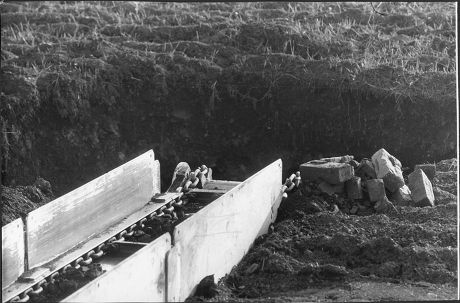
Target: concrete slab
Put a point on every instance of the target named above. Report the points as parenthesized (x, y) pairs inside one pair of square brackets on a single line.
[(353, 188), (330, 172), (12, 252), (402, 197), (388, 168), (421, 189), (376, 189), (428, 169), (63, 223), (218, 236), (141, 277), (341, 159)]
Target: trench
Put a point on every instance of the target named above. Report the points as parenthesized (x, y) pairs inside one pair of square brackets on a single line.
[(75, 277), (232, 135)]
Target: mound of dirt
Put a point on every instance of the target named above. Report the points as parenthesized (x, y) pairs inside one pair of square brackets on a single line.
[(311, 250)]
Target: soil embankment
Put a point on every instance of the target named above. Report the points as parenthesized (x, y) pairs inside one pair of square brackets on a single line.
[(88, 86)]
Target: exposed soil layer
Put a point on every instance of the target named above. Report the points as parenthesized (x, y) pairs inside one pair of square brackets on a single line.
[(88, 86), (313, 254)]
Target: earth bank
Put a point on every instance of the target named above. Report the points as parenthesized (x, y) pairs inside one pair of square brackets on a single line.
[(87, 87)]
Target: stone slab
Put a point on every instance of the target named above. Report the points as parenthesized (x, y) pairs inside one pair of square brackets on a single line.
[(60, 225), (353, 188), (421, 189), (428, 169), (12, 252), (376, 189), (341, 159), (402, 197), (217, 237), (330, 172), (139, 278), (388, 168)]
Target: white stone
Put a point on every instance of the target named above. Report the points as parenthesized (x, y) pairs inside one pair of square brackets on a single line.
[(388, 168)]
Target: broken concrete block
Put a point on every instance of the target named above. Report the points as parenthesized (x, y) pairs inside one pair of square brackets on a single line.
[(366, 170), (428, 169), (402, 196), (330, 172), (421, 188), (331, 189), (388, 168), (342, 159), (376, 189), (353, 187)]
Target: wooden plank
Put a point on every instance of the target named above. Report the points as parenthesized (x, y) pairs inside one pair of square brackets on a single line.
[(71, 219), (221, 184), (12, 252), (139, 278), (64, 259), (217, 237)]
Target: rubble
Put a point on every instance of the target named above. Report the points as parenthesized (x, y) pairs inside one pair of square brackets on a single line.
[(383, 241), (388, 168), (370, 186), (402, 196), (421, 189), (330, 172), (376, 189), (428, 169), (331, 189), (366, 170), (342, 159), (354, 190)]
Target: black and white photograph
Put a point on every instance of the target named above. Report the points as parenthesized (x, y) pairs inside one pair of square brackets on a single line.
[(229, 151)]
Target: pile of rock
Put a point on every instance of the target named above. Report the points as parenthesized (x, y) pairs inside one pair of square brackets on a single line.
[(375, 184)]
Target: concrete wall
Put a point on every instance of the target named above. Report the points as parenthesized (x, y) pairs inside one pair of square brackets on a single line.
[(139, 278), (12, 251)]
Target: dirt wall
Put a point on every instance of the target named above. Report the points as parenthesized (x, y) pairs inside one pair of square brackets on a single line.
[(209, 86)]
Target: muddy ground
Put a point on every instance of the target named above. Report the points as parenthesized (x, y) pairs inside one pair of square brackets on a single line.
[(316, 255)]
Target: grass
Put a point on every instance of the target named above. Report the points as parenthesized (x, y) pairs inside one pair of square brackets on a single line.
[(406, 33)]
